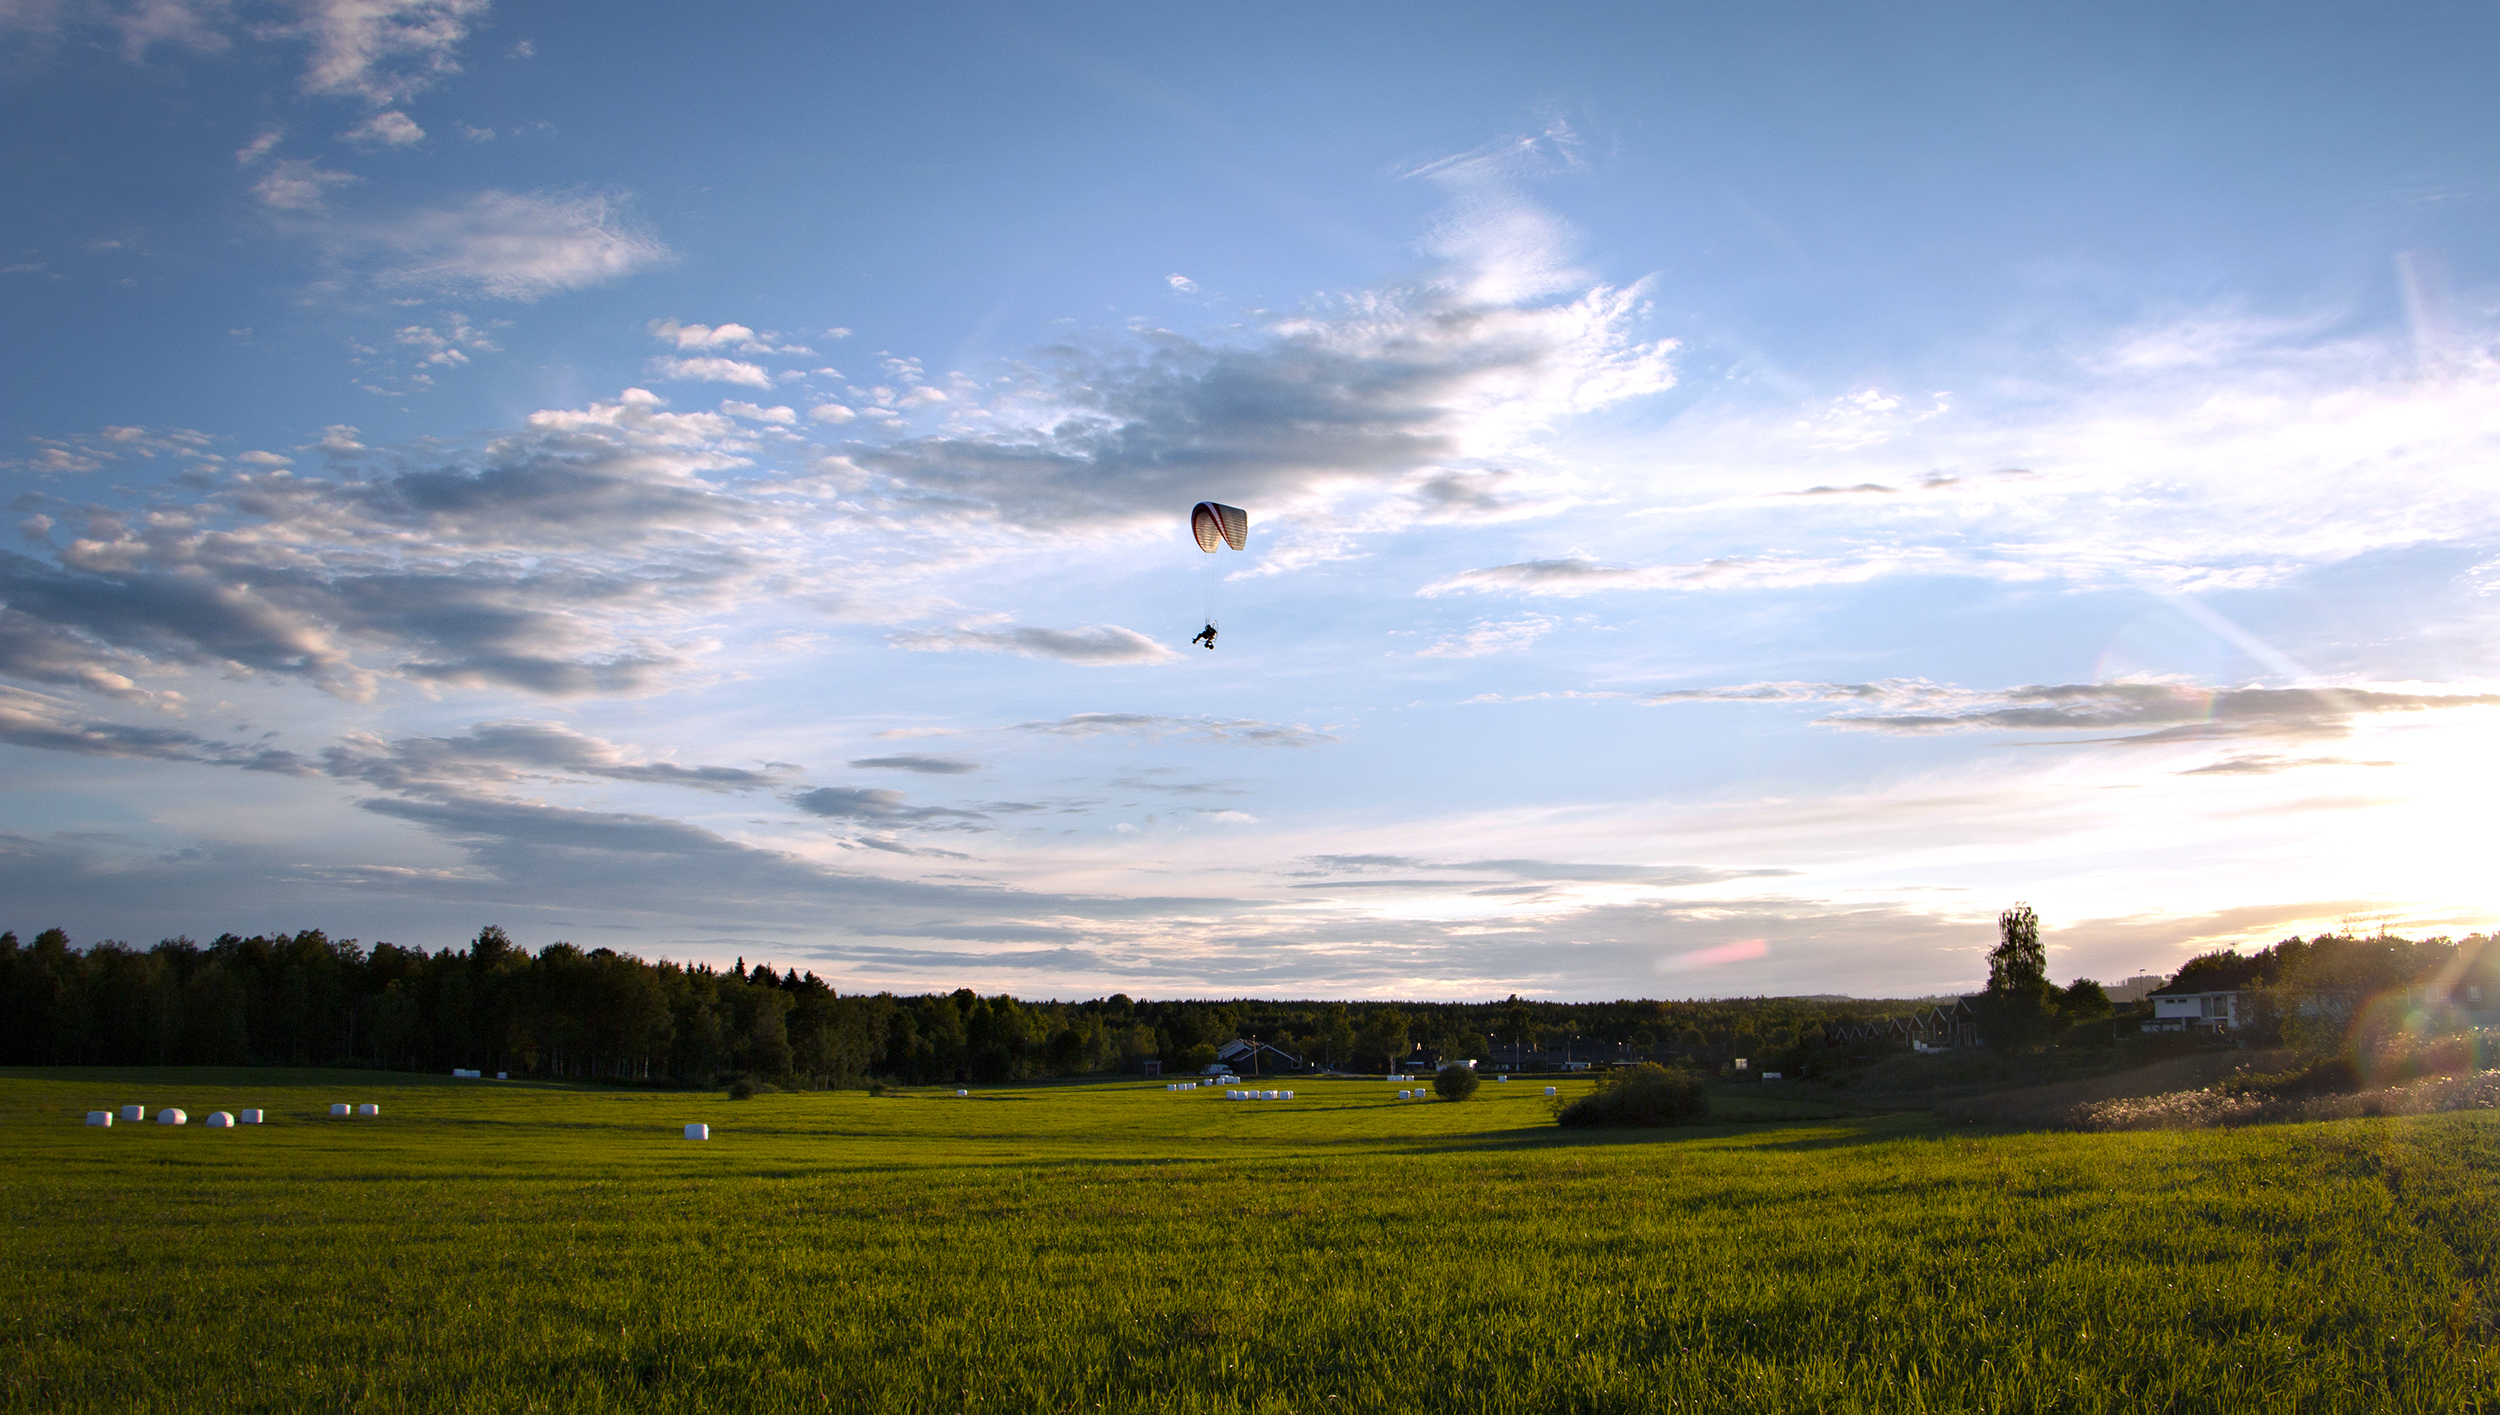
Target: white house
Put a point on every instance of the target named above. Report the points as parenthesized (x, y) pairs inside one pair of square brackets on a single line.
[(2185, 1009)]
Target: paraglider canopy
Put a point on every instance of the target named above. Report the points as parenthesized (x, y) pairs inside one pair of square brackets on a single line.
[(1211, 521)]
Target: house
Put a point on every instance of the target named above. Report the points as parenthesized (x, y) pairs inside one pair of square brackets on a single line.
[(2196, 1005)]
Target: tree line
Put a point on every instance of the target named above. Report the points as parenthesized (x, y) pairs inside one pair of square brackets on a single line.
[(306, 999)]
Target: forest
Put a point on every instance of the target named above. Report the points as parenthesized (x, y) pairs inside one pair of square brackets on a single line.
[(306, 999)]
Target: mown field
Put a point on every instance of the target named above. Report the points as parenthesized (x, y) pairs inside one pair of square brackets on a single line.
[(1114, 1246)]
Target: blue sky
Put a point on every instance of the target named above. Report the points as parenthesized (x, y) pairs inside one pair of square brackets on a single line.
[(1737, 497)]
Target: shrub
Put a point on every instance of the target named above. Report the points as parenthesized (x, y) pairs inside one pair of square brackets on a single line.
[(1646, 1094), (746, 1087), (1455, 1083), (2330, 1075), (878, 1088)]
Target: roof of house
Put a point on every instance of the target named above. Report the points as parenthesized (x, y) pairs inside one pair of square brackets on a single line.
[(2195, 987)]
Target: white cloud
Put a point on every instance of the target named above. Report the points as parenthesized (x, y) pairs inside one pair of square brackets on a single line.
[(445, 344), (831, 413), (1182, 283), (713, 370), (297, 184), (703, 336), (1571, 578), (258, 147), (2142, 711), (1155, 727), (1489, 637), (1092, 646), (383, 51), (515, 245), (752, 413), (196, 25), (389, 129)]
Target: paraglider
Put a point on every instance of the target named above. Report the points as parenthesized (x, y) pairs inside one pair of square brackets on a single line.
[(1212, 521), (1214, 524)]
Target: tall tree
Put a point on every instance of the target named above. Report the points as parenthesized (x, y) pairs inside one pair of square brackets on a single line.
[(2015, 1010)]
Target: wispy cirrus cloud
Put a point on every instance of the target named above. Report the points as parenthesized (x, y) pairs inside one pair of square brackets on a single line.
[(1486, 637), (1574, 577), (2142, 712), (925, 765), (501, 245), (1095, 646), (501, 753), (383, 51), (1244, 731), (48, 724)]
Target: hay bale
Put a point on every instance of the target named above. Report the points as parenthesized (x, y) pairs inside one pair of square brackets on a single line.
[(1402, 1095), (171, 1116), (1549, 1090), (503, 1075), (220, 1120), (698, 1132), (100, 1117), (1288, 1095), (341, 1109), (250, 1117), (134, 1112), (963, 1093), (368, 1110)]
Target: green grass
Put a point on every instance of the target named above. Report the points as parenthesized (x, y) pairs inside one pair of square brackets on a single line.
[(1119, 1247)]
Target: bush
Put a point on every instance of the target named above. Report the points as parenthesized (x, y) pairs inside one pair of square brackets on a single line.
[(746, 1087), (878, 1088), (1646, 1094), (2331, 1075), (1455, 1083)]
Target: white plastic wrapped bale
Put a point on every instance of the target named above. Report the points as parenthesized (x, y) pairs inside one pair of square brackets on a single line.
[(1274, 1095), (100, 1117), (368, 1110), (250, 1117), (461, 1073), (340, 1109), (503, 1075), (1402, 1095), (963, 1093), (1549, 1090), (134, 1112), (220, 1120), (1288, 1095), (171, 1116), (698, 1132)]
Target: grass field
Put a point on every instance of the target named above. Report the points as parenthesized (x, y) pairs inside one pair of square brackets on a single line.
[(1115, 1246)]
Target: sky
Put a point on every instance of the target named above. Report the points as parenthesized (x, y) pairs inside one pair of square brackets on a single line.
[(1738, 495)]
